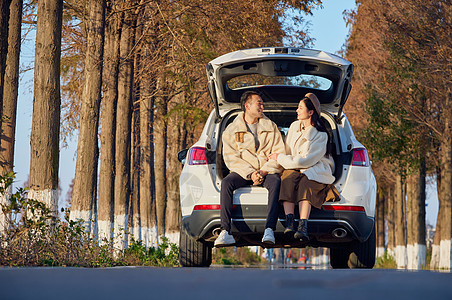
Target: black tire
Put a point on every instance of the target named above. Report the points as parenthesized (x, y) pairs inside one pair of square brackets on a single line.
[(356, 255), (193, 253), (363, 254), (339, 257)]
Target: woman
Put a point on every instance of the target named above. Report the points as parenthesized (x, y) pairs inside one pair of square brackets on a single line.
[(308, 165)]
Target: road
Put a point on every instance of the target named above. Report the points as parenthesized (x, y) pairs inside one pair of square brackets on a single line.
[(221, 283)]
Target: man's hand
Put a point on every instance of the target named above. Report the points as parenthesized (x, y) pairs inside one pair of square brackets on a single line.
[(258, 177)]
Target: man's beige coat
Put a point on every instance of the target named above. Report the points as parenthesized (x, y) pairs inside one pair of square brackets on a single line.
[(239, 148)]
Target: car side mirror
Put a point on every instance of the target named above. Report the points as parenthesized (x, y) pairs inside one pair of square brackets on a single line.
[(182, 155)]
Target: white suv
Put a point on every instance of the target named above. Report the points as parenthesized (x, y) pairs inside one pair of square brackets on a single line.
[(282, 76)]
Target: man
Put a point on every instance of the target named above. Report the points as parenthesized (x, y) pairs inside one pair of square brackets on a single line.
[(247, 142)]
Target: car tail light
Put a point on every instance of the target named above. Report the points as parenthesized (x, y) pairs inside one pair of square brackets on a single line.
[(197, 156), (360, 157), (343, 207), (210, 207)]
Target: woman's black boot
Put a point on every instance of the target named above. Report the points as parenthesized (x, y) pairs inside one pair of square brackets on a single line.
[(290, 229), (302, 231)]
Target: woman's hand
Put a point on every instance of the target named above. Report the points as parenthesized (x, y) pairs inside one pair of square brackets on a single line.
[(273, 156)]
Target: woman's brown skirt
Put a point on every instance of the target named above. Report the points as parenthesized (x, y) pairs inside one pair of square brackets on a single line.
[(296, 187)]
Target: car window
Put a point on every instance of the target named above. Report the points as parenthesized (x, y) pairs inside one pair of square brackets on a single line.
[(302, 80)]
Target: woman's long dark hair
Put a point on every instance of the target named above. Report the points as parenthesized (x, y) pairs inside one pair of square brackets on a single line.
[(317, 122)]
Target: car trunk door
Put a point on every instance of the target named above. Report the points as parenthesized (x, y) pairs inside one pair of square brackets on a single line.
[(269, 62)]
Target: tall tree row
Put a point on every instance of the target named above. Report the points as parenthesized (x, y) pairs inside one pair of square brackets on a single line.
[(120, 59), (401, 52)]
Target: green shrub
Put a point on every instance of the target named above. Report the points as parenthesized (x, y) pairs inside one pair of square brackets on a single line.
[(386, 261), (235, 256)]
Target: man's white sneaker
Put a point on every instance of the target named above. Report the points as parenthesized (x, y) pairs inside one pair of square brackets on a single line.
[(224, 239), (269, 237)]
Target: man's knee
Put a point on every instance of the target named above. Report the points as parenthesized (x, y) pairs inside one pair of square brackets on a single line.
[(273, 180), (230, 180)]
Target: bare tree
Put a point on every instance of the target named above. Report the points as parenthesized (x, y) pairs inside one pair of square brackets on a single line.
[(85, 182), (10, 91), (149, 232), (123, 128), (44, 140), (445, 192), (416, 244), (108, 130), (160, 142), (134, 207), (390, 222), (4, 23), (400, 223), (380, 222)]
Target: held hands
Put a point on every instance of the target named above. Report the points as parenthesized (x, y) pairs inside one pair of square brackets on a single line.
[(258, 177), (273, 156)]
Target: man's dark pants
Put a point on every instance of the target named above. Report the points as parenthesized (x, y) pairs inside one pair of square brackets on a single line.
[(234, 181)]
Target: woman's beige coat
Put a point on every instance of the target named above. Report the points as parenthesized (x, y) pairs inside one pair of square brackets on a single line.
[(305, 150), (239, 147)]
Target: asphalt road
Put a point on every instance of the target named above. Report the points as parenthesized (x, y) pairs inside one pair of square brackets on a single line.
[(221, 283)]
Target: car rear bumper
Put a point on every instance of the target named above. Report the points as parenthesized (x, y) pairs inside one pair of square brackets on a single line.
[(326, 228)]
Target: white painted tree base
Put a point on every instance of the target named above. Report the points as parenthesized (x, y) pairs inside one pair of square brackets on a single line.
[(149, 236), (434, 262), (4, 200), (173, 237), (391, 252), (85, 215), (416, 256), (319, 260), (119, 232), (380, 251), (445, 255), (48, 196), (400, 257), (104, 231)]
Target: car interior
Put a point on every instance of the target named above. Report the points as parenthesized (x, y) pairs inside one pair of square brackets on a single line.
[(283, 120)]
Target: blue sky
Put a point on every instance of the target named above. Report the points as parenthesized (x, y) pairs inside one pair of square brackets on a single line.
[(327, 27)]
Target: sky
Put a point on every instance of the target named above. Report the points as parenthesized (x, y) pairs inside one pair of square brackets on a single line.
[(327, 27)]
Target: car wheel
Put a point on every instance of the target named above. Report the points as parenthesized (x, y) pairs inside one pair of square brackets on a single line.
[(363, 254), (339, 257), (356, 255), (193, 253)]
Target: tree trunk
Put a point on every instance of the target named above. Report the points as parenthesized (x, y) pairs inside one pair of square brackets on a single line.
[(400, 223), (108, 130), (416, 247), (173, 213), (4, 20), (135, 213), (123, 127), (10, 91), (380, 222), (390, 221), (445, 196), (436, 250), (44, 140), (148, 219), (85, 181), (160, 138)]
